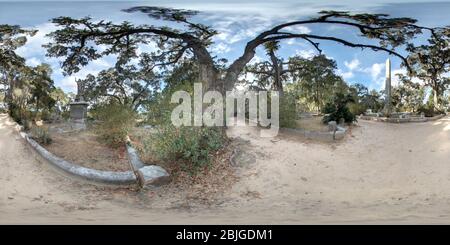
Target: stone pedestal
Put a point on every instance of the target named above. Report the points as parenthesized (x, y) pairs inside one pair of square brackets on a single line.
[(78, 110), (78, 114)]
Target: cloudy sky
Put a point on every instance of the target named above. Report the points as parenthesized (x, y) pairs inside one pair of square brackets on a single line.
[(237, 22)]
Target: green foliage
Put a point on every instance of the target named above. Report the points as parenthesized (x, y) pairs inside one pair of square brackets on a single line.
[(364, 99), (429, 108), (29, 94), (126, 84), (11, 38), (288, 112), (357, 108), (41, 135), (114, 122), (190, 147), (337, 109), (316, 79), (431, 62), (407, 98), (159, 108)]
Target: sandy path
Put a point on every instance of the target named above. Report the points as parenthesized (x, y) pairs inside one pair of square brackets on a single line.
[(382, 173)]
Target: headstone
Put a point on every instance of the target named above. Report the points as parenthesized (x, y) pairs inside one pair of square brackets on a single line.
[(78, 108), (332, 126)]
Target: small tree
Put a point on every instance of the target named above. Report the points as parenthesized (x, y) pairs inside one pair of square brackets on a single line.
[(11, 64), (115, 122), (431, 62), (316, 79), (337, 109), (407, 96), (270, 74)]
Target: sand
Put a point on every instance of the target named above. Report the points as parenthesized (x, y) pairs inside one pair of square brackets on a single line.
[(85, 149), (381, 173)]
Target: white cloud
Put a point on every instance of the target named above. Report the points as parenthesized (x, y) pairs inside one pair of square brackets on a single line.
[(221, 48), (255, 59), (236, 28), (298, 29), (305, 53), (33, 47), (68, 83), (375, 70), (33, 61), (395, 81), (352, 65), (345, 75)]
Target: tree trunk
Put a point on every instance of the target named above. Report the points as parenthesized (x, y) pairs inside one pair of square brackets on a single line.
[(435, 95), (208, 74), (233, 71), (436, 99), (277, 68)]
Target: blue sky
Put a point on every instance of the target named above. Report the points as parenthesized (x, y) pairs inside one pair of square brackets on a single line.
[(237, 22)]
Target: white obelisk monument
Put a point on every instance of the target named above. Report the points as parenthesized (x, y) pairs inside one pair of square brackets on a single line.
[(387, 89)]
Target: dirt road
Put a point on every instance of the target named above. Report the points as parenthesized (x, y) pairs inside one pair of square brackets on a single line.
[(381, 173)]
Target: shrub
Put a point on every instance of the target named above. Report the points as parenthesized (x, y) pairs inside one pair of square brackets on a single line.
[(159, 108), (114, 123), (288, 112), (41, 135), (357, 108), (22, 117), (190, 147), (429, 110), (44, 115), (337, 109)]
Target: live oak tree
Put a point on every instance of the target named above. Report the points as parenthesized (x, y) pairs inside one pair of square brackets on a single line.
[(184, 72), (366, 99), (406, 96), (431, 63), (42, 86), (25, 87), (31, 92), (126, 84), (315, 79), (11, 38), (77, 40), (270, 74)]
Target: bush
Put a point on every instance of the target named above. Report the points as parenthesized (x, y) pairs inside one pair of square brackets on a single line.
[(44, 115), (357, 108), (159, 108), (288, 111), (41, 135), (429, 110), (114, 123), (190, 147), (337, 109)]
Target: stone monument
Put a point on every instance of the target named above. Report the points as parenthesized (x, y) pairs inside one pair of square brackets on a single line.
[(78, 108), (387, 110)]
